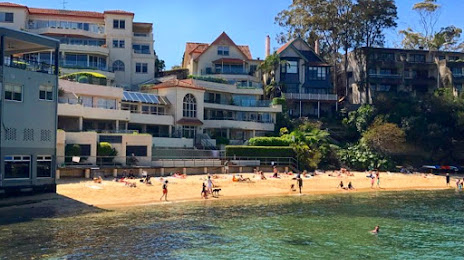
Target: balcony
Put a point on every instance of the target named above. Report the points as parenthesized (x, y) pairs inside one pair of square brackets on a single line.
[(311, 97), (72, 108), (29, 65), (227, 88), (389, 76), (242, 103), (82, 48), (152, 119), (238, 123)]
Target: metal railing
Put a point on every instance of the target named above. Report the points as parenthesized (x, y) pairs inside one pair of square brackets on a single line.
[(29, 65), (242, 103), (302, 96), (226, 118)]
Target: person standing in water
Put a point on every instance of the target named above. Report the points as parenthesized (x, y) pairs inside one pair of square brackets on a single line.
[(447, 179), (165, 191), (299, 181), (376, 230)]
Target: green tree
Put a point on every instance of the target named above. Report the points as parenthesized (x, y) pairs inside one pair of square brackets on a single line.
[(159, 66), (385, 138), (428, 11)]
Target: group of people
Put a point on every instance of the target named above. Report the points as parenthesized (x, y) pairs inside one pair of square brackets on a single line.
[(207, 187), (459, 182), (342, 186), (374, 175)]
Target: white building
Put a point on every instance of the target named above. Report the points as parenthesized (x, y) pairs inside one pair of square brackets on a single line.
[(109, 43)]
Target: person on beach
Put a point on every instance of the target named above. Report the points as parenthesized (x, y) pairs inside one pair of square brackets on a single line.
[(165, 191), (210, 185), (447, 179), (350, 186), (376, 230), (377, 175), (204, 192), (276, 173), (261, 173), (372, 181), (299, 181), (341, 185), (457, 183)]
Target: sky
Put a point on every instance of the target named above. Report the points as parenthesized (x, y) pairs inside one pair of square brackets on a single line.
[(247, 22)]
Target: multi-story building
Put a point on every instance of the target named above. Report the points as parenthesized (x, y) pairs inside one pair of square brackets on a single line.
[(109, 43), (306, 80), (394, 71), (224, 98), (28, 105)]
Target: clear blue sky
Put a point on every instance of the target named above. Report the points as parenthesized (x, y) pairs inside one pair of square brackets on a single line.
[(247, 22)]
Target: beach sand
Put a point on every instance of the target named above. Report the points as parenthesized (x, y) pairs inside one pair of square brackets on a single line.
[(110, 194)]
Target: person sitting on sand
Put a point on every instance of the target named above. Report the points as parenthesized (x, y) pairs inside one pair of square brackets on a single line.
[(276, 173), (350, 186), (147, 180), (376, 230), (341, 185), (261, 173), (98, 180), (241, 179)]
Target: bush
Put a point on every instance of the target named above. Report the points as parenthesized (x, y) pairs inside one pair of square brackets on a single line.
[(105, 150), (222, 140), (259, 151), (70, 151), (210, 79), (360, 157), (269, 141)]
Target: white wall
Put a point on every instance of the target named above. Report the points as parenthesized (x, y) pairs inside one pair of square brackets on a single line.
[(172, 142)]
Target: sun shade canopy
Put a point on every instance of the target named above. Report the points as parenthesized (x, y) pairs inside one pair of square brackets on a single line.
[(144, 98)]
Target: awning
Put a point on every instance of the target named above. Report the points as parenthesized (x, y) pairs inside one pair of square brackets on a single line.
[(441, 167), (84, 73), (144, 98), (189, 121)]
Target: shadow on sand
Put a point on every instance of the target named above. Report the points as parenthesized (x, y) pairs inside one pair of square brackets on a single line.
[(49, 205)]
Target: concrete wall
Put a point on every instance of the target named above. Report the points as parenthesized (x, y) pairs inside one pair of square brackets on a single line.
[(172, 142), (19, 18)]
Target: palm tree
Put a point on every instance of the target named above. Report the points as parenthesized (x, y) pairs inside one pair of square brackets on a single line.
[(268, 69)]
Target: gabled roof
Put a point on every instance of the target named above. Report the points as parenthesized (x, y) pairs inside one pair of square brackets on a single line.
[(56, 12), (175, 83), (8, 4), (200, 48), (283, 47), (309, 56)]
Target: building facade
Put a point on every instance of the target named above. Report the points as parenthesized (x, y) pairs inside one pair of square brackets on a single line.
[(225, 89), (397, 71), (306, 81), (109, 43), (28, 108)]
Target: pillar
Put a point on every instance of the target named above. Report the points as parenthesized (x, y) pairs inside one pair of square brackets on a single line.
[(336, 106), (87, 173), (205, 170), (318, 109), (184, 170), (286, 168), (240, 169), (57, 174), (254, 133), (170, 131), (228, 133), (140, 172), (144, 128), (117, 125), (115, 173), (81, 123), (162, 171)]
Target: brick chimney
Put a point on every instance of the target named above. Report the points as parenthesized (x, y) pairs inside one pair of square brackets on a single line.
[(268, 46)]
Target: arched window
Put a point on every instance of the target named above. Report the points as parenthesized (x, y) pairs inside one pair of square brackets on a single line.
[(190, 106), (118, 65)]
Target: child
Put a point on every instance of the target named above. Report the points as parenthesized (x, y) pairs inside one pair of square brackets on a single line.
[(165, 191), (204, 193)]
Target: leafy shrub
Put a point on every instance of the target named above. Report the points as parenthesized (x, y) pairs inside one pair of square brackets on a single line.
[(105, 150), (222, 140), (71, 150), (210, 79), (259, 151), (385, 138), (269, 141), (360, 157)]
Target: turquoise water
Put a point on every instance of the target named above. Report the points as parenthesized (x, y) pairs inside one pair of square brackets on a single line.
[(414, 225)]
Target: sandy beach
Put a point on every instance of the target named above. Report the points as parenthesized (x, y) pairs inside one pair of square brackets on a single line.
[(110, 194)]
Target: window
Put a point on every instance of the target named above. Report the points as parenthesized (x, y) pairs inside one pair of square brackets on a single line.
[(118, 66), (45, 92), (141, 67), (6, 17), (386, 56), (106, 103), (457, 72), (372, 71), (130, 107), (188, 131), (141, 48), (383, 88), (190, 106), (290, 67), (318, 73), (13, 92), (223, 50), (453, 58), (119, 24), (119, 44), (136, 150), (44, 166), (17, 166), (417, 58)]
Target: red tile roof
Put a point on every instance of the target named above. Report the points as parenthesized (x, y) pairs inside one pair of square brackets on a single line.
[(8, 4), (283, 47), (57, 12), (175, 83), (118, 12), (200, 48)]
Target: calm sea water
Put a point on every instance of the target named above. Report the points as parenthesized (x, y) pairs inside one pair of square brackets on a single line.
[(414, 225)]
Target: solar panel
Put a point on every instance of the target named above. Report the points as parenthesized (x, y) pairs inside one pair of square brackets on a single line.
[(144, 98)]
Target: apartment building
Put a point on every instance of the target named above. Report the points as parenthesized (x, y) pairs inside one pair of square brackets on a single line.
[(224, 98), (397, 71), (28, 108), (306, 80), (109, 43)]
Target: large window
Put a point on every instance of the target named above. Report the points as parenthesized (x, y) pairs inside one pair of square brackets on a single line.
[(119, 24), (91, 27), (386, 56), (289, 67), (153, 110), (141, 48), (44, 166), (6, 17), (223, 50), (13, 92), (136, 150), (188, 131), (417, 58), (118, 66), (190, 106), (106, 103), (119, 44), (318, 73), (17, 166), (45, 92), (141, 67)]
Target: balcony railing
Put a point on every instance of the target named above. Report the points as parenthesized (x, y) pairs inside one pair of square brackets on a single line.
[(394, 76), (458, 75), (30, 65), (264, 121), (316, 97), (242, 103), (75, 101)]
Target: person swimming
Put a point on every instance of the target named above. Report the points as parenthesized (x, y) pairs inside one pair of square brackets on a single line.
[(376, 230)]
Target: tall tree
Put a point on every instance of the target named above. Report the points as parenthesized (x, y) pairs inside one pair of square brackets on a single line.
[(268, 69), (429, 14), (373, 17)]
